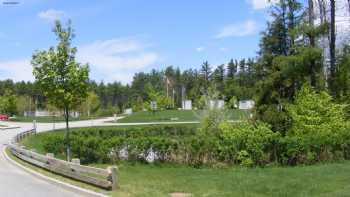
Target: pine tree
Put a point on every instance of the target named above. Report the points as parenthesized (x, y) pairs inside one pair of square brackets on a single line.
[(205, 75), (218, 79)]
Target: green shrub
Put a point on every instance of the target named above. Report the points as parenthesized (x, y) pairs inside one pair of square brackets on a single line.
[(245, 159), (53, 143), (256, 139), (312, 138)]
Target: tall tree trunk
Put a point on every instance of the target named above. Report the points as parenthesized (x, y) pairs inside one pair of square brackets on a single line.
[(312, 43), (321, 10), (323, 20), (66, 115), (332, 49)]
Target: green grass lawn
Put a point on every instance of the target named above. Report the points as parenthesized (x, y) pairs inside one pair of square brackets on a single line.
[(178, 116), (139, 179), (328, 180), (45, 119), (152, 180)]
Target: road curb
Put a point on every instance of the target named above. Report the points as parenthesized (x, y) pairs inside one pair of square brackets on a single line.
[(9, 127), (67, 186)]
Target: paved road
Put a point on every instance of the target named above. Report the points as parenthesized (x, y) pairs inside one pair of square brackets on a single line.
[(14, 182)]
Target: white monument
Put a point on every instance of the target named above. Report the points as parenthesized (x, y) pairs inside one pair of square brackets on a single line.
[(216, 104), (187, 105), (128, 111), (246, 104), (154, 105)]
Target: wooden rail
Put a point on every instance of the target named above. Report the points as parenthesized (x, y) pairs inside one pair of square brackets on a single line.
[(103, 178)]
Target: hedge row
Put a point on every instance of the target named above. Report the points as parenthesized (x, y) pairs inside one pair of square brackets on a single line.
[(241, 143)]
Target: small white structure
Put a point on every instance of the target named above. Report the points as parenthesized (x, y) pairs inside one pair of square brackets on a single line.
[(128, 111), (216, 104), (74, 114), (38, 113), (246, 104), (154, 105), (187, 105)]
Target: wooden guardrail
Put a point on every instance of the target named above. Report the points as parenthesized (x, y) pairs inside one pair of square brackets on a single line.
[(104, 178)]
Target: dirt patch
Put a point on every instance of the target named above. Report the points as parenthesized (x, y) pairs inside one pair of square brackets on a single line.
[(180, 194)]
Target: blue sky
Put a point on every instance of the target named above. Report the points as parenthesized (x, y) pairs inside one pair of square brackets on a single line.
[(120, 37)]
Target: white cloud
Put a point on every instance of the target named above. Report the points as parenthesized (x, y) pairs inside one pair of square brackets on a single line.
[(109, 60), (246, 28), (261, 4), (116, 59), (200, 49), (223, 49), (16, 70), (51, 14)]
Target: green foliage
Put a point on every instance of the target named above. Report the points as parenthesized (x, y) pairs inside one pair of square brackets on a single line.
[(211, 121), (245, 142), (54, 144), (202, 102), (245, 159), (343, 79), (24, 103), (63, 81), (8, 103), (91, 105), (289, 57), (314, 113), (163, 102), (319, 131), (232, 103)]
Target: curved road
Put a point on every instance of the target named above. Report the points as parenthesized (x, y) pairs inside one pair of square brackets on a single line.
[(14, 182)]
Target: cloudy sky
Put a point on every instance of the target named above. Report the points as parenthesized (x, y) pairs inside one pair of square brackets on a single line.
[(120, 37)]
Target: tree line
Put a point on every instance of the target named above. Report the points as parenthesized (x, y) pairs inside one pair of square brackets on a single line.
[(235, 79), (298, 46)]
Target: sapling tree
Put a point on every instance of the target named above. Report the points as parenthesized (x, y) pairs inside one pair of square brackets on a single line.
[(63, 81)]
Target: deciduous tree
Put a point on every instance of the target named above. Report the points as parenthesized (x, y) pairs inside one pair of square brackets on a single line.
[(63, 81)]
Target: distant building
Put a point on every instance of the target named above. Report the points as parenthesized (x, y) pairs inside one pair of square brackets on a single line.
[(187, 105), (128, 111), (246, 104), (38, 113), (216, 104)]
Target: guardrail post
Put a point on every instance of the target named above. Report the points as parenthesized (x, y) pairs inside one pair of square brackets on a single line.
[(34, 126), (105, 178), (50, 155), (113, 170)]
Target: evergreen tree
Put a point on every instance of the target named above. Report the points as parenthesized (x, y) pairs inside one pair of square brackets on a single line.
[(218, 79), (205, 75)]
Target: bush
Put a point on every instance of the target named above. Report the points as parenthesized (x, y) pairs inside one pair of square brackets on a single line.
[(53, 143), (318, 133), (256, 139), (315, 113)]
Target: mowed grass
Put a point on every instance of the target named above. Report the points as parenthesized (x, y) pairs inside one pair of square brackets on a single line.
[(178, 116), (328, 180), (45, 119), (137, 179), (161, 180)]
